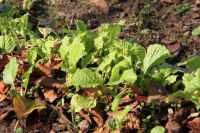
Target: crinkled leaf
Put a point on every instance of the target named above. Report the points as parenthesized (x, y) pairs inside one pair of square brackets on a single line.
[(10, 71), (23, 106), (191, 82), (80, 102), (64, 49), (139, 51), (88, 58), (196, 31), (7, 44), (156, 54), (86, 78), (31, 55), (47, 47), (158, 129), (192, 63), (81, 25)]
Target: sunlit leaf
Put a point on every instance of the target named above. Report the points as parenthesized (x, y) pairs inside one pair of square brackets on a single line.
[(23, 106)]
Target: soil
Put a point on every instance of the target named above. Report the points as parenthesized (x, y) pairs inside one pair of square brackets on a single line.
[(147, 21)]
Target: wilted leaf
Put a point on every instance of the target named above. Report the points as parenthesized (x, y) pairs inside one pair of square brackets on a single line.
[(23, 106), (45, 31)]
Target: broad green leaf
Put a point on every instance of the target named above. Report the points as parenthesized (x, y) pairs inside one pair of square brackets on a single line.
[(156, 54), (7, 44), (26, 78), (76, 51), (23, 106), (192, 63), (85, 61), (121, 117), (23, 25), (64, 49), (115, 103), (121, 66), (191, 82), (80, 102), (4, 8), (107, 61), (127, 77), (139, 51), (111, 124), (10, 71), (162, 74), (86, 78), (158, 129), (47, 47), (196, 31), (31, 55), (81, 25), (19, 130)]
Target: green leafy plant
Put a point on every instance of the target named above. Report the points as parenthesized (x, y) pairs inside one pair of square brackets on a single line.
[(119, 117), (196, 31)]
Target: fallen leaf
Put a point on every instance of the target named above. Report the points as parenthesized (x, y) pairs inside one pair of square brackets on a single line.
[(4, 61), (84, 126), (157, 92), (172, 1), (4, 115), (197, 2), (23, 106), (41, 70), (3, 87), (33, 121), (172, 126), (98, 130), (101, 4), (63, 119), (173, 46), (86, 116), (46, 81), (23, 55), (49, 95), (132, 122), (194, 125), (2, 97)]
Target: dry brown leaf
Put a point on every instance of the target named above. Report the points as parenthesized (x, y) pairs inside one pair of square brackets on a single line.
[(97, 115), (3, 87), (49, 95), (132, 122), (4, 61), (63, 118), (172, 1), (23, 68), (2, 97), (98, 130), (4, 115), (194, 124), (101, 4), (86, 116), (137, 91), (197, 2), (23, 55), (84, 126), (41, 70), (172, 126), (156, 92), (46, 81)]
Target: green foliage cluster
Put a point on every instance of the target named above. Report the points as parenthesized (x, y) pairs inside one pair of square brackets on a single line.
[(96, 59)]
